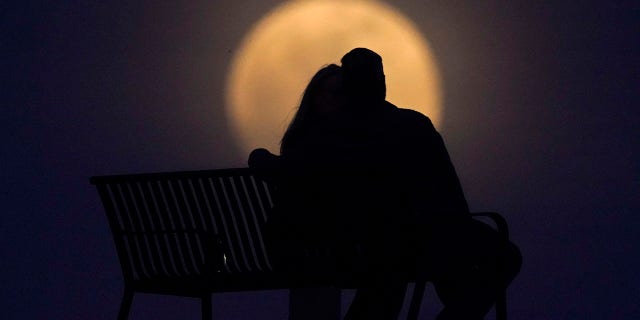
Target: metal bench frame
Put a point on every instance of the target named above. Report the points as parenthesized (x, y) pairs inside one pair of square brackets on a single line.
[(195, 233)]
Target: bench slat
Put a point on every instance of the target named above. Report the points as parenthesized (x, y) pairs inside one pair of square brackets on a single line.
[(154, 226), (115, 225), (171, 217), (132, 233), (229, 226), (160, 216), (186, 222), (226, 194), (124, 210), (246, 219), (215, 204), (258, 221), (140, 249)]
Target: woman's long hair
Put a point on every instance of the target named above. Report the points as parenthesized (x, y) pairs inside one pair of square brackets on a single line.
[(306, 113)]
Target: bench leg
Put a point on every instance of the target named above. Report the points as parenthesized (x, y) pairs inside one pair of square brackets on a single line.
[(416, 300), (125, 304), (207, 313)]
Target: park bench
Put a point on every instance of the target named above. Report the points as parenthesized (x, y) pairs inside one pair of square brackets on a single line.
[(195, 233)]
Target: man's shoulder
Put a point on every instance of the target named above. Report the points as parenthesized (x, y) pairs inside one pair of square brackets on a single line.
[(411, 117)]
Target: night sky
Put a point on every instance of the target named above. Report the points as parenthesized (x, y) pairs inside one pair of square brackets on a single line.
[(541, 118)]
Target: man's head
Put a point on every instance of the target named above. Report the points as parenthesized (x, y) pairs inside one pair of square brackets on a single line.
[(363, 75)]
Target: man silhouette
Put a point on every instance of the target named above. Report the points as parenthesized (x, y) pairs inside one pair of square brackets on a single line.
[(411, 213)]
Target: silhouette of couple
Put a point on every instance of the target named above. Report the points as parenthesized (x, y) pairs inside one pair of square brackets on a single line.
[(366, 188)]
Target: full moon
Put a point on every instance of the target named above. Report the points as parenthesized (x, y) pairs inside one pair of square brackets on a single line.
[(287, 46)]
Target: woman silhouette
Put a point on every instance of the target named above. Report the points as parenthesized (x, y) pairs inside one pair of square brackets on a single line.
[(303, 217)]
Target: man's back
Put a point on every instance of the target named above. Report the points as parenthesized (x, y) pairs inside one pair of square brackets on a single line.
[(418, 216), (393, 170), (431, 177), (401, 149)]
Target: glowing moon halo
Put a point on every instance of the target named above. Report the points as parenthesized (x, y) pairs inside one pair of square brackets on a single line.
[(286, 47)]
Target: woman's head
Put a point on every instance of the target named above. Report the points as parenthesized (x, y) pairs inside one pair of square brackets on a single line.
[(322, 98), (324, 92)]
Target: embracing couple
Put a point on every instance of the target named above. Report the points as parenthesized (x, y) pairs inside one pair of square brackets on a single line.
[(372, 186)]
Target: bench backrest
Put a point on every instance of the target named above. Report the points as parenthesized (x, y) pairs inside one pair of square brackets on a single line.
[(187, 223)]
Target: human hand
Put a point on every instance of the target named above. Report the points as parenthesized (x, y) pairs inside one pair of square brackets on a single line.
[(258, 157)]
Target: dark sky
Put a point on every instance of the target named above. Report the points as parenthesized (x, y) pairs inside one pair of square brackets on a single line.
[(541, 119)]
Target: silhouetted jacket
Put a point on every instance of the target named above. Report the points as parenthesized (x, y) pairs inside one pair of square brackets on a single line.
[(365, 179)]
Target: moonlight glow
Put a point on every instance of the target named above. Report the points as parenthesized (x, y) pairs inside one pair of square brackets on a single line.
[(287, 46)]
